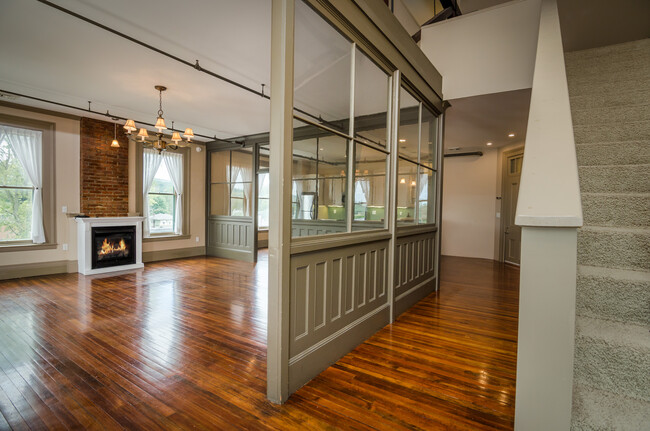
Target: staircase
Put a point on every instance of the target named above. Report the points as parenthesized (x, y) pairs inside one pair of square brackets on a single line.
[(610, 102)]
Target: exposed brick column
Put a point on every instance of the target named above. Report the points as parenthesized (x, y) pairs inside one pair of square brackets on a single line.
[(104, 170)]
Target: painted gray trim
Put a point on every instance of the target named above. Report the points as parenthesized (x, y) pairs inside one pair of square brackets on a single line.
[(504, 172), (36, 269), (11, 247), (157, 238), (305, 366), (408, 299), (403, 231), (175, 253), (311, 244), (244, 255), (415, 262)]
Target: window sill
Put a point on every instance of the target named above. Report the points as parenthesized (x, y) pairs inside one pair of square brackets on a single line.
[(165, 238), (27, 247)]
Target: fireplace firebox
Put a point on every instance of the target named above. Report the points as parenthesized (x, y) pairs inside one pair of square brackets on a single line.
[(113, 246)]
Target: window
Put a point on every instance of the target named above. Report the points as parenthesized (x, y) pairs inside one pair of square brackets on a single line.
[(418, 129), (26, 181), (263, 201), (162, 202), (16, 196), (164, 176), (231, 184)]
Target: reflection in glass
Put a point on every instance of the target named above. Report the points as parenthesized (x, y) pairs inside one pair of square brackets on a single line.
[(426, 196), (322, 60), (220, 199), (371, 91), (231, 188), (319, 182), (369, 188), (406, 191), (408, 134), (428, 137)]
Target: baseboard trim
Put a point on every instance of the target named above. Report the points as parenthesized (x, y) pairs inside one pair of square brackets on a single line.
[(37, 269), (409, 298), (229, 253), (306, 365), (174, 253)]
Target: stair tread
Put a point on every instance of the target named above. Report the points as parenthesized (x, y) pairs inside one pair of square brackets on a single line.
[(596, 409), (614, 333), (620, 274)]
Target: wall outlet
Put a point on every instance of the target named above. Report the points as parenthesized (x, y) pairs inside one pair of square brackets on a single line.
[(65, 247), (197, 239), (64, 209), (498, 215)]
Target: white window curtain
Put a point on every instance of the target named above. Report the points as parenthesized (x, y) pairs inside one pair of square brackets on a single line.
[(174, 163), (28, 146), (243, 174), (365, 190), (150, 163)]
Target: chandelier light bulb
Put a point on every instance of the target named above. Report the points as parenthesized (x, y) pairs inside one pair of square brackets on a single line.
[(142, 134), (176, 137), (129, 126), (189, 134)]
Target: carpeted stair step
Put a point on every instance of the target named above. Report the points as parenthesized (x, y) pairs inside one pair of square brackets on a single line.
[(608, 132), (614, 247), (613, 294), (613, 357), (610, 98), (595, 410), (611, 114), (614, 153), (616, 209), (615, 179)]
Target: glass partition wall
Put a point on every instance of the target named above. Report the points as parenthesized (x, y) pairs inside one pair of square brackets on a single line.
[(354, 146)]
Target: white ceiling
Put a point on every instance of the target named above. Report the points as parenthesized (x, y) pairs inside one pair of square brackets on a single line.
[(472, 122)]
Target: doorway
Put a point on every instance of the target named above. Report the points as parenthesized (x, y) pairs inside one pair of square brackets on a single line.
[(510, 232)]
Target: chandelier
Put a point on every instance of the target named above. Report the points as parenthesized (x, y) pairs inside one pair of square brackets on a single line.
[(160, 141)]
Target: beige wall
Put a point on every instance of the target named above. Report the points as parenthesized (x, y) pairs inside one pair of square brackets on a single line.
[(67, 190), (470, 210), (66, 141)]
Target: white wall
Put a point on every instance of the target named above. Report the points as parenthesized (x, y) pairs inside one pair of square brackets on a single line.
[(469, 205), (488, 51), (471, 224)]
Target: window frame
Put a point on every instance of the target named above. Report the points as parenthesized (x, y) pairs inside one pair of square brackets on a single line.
[(139, 195), (48, 147)]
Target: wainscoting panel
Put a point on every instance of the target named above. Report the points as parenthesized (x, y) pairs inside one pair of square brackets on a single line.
[(414, 269), (339, 298), (231, 237)]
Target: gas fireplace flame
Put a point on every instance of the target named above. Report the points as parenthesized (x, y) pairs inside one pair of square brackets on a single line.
[(108, 248)]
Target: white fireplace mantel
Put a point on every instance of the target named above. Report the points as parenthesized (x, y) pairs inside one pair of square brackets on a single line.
[(85, 246)]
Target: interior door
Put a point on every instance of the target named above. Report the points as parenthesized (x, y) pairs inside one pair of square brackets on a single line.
[(511, 232)]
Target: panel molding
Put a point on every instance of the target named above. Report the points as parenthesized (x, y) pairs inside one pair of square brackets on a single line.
[(415, 269), (37, 269), (174, 253), (231, 237)]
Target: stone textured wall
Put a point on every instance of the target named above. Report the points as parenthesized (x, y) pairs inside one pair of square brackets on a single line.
[(104, 170)]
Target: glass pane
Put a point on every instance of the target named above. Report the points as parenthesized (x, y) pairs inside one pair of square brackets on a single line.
[(408, 125), (264, 160), (161, 213), (220, 167), (428, 136), (263, 213), (241, 166), (371, 90), (12, 172), (162, 183), (15, 213), (304, 158), (303, 199), (241, 197), (406, 191), (219, 199), (426, 196), (369, 188), (321, 66)]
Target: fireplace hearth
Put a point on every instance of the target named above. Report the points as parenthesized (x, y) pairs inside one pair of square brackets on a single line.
[(113, 246)]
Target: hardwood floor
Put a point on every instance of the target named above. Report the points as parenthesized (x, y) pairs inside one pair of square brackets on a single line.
[(182, 345)]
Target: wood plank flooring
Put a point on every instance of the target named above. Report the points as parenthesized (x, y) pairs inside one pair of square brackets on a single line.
[(182, 345)]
